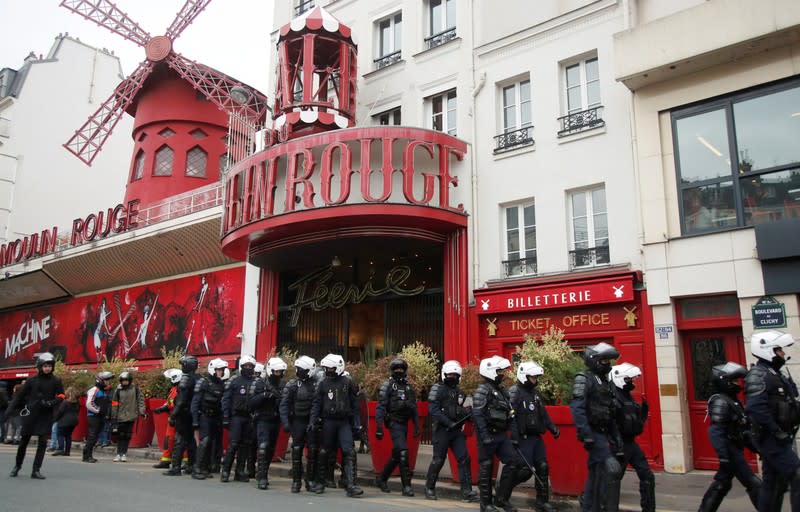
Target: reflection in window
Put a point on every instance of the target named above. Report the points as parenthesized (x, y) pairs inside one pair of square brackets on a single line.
[(767, 130), (163, 162), (444, 112), (520, 240), (138, 166), (703, 147), (705, 354), (589, 228), (709, 207), (390, 117)]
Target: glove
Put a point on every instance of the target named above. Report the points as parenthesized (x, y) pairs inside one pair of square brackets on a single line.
[(556, 432), (379, 434), (782, 437), (451, 426), (160, 410), (588, 442), (114, 428), (286, 428), (417, 432), (171, 421)]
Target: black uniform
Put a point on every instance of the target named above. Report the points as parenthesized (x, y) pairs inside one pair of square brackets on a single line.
[(207, 420), (397, 404), (295, 409), (446, 407), (236, 417), (532, 422), (630, 422), (35, 403), (772, 405), (264, 398), (593, 409), (181, 418)]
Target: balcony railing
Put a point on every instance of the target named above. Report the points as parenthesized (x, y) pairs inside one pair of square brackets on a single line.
[(513, 139), (387, 60), (589, 257), (580, 121), (303, 6), (440, 38), (521, 267)]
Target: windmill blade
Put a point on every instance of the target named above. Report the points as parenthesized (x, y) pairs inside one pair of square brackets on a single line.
[(186, 16), (109, 16), (216, 87), (89, 138)]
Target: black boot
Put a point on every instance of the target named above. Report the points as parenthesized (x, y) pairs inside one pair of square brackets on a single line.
[(322, 464), (199, 458), (542, 484), (161, 465), (503, 493), (465, 474), (330, 468), (252, 456), (311, 469), (263, 468), (349, 465), (175, 464), (14, 471), (753, 490), (714, 495), (242, 456), (485, 486), (383, 478), (297, 468), (647, 493), (36, 475), (405, 474), (431, 477), (227, 462)]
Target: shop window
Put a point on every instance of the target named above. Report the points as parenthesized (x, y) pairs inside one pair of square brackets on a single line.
[(520, 231), (196, 163), (737, 159), (443, 112), (588, 228), (582, 105), (390, 34), (138, 166), (164, 160), (517, 128), (707, 307), (390, 117), (442, 28)]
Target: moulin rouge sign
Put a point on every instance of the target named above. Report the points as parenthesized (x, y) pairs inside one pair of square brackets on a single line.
[(92, 227), (320, 171)]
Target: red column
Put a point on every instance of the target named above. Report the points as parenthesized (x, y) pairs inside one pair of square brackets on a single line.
[(267, 327), (456, 279)]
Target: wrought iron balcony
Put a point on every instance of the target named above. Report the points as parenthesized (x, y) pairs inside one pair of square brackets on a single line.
[(589, 257), (521, 267), (303, 6), (387, 60), (440, 38), (580, 121), (513, 139)]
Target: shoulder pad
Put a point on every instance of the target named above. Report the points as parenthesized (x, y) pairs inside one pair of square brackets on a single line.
[(754, 382), (186, 382), (198, 385), (384, 391), (580, 385), (433, 395), (479, 399), (514, 393)]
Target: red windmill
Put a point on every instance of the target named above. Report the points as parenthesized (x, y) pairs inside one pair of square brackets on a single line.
[(180, 108)]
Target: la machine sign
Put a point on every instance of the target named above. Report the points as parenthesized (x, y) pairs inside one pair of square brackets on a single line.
[(583, 294)]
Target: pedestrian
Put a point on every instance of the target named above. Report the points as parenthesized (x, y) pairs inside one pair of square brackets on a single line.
[(181, 416), (52, 444), (772, 406), (593, 409), (264, 402), (174, 376), (532, 422), (729, 433), (335, 410), (36, 401), (98, 412), (493, 416), (67, 419), (397, 404), (13, 418), (3, 407), (295, 411), (631, 417), (207, 416), (446, 406), (127, 405), (236, 418)]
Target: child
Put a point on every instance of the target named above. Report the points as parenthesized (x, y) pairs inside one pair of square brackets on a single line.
[(66, 418)]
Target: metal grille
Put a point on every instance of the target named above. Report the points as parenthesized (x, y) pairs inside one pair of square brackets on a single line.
[(196, 163), (440, 38), (317, 334), (521, 267), (513, 138), (163, 162), (579, 121), (589, 257), (387, 60), (419, 318), (198, 134)]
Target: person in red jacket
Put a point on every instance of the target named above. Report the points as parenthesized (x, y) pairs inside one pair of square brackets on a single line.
[(174, 376)]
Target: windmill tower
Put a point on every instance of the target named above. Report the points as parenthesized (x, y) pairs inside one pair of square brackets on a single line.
[(180, 109)]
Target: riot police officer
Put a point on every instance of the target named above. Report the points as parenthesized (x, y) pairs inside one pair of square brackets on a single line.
[(772, 405), (207, 416), (264, 401), (236, 417), (532, 422), (38, 396), (295, 409), (397, 404), (336, 406), (446, 405), (181, 416), (494, 418), (729, 433), (630, 423), (593, 409)]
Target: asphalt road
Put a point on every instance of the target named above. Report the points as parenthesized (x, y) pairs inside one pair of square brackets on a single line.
[(73, 486)]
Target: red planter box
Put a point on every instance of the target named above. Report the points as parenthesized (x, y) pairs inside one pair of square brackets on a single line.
[(280, 448), (82, 428), (381, 451), (565, 455), (472, 449), (142, 434), (159, 420)]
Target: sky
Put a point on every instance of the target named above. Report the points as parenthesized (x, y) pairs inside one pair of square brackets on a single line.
[(232, 36)]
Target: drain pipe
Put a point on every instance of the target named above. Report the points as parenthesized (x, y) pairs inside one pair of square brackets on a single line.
[(476, 89)]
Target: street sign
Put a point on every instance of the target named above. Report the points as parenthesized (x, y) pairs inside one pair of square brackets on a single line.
[(663, 331), (768, 313)]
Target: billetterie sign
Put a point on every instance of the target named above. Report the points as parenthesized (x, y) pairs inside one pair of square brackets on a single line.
[(94, 226)]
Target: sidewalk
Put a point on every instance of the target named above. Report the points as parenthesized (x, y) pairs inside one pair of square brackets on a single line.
[(674, 493)]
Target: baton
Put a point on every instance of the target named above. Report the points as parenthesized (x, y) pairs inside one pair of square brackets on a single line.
[(535, 476), (460, 422)]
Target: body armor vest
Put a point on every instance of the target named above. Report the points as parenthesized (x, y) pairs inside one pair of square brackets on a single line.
[(303, 395), (600, 406), (729, 414), (782, 405), (401, 400), (528, 409), (335, 398), (239, 387), (450, 400), (629, 416), (211, 405), (498, 407), (269, 407)]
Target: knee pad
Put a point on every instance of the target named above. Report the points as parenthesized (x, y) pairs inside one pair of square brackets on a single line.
[(648, 477), (486, 465), (522, 473), (542, 468), (724, 485), (403, 455), (613, 468), (437, 462)]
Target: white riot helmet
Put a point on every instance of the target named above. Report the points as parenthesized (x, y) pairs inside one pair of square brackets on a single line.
[(247, 365), (303, 366), (217, 364), (275, 364), (763, 345), (333, 361), (620, 372), (260, 370), (451, 366), (226, 375), (173, 374), (491, 365), (528, 369)]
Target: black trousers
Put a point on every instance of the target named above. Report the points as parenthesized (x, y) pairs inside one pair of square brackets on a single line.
[(41, 446)]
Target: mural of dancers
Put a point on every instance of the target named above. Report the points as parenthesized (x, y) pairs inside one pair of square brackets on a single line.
[(102, 331), (198, 317), (147, 316)]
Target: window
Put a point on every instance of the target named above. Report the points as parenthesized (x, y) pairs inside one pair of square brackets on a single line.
[(390, 33), (582, 97), (198, 134), (516, 117), (442, 15), (520, 232), (196, 162), (443, 115), (737, 159), (302, 6), (589, 228), (390, 117), (164, 157), (138, 166), (167, 133), (224, 163)]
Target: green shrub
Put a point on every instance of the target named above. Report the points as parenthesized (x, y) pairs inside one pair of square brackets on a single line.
[(553, 353), (423, 367)]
